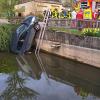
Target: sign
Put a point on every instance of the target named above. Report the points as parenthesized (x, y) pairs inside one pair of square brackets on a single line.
[(87, 14)]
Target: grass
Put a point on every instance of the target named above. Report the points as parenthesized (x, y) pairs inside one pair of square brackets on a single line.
[(61, 29)]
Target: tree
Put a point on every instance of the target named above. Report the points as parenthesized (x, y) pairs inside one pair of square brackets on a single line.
[(7, 7)]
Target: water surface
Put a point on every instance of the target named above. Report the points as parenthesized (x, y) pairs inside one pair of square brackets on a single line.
[(47, 77)]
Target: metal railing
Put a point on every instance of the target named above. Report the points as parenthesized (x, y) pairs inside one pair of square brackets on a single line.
[(69, 23)]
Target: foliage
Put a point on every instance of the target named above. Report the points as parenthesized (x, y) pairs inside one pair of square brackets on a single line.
[(91, 32), (5, 36), (7, 7), (82, 91)]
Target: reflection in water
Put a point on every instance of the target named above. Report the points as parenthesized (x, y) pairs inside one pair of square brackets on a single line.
[(16, 89), (82, 77), (15, 81), (57, 78), (42, 66)]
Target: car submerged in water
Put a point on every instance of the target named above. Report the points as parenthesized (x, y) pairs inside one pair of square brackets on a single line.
[(24, 35)]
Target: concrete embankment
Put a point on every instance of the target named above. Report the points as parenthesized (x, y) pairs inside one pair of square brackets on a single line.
[(81, 54), (4, 21)]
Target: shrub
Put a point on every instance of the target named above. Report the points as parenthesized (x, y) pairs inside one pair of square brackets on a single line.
[(91, 32), (98, 33), (5, 36)]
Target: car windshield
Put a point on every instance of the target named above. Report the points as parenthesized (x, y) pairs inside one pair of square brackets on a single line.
[(28, 20)]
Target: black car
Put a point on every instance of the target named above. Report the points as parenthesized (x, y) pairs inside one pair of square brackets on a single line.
[(23, 37)]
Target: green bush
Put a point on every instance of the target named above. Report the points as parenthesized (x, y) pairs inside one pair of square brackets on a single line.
[(98, 33), (6, 31), (91, 32)]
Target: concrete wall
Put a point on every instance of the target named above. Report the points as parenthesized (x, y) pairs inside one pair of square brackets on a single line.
[(28, 8), (72, 39), (84, 55), (4, 21)]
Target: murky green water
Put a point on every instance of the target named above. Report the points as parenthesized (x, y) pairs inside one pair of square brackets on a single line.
[(47, 77)]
